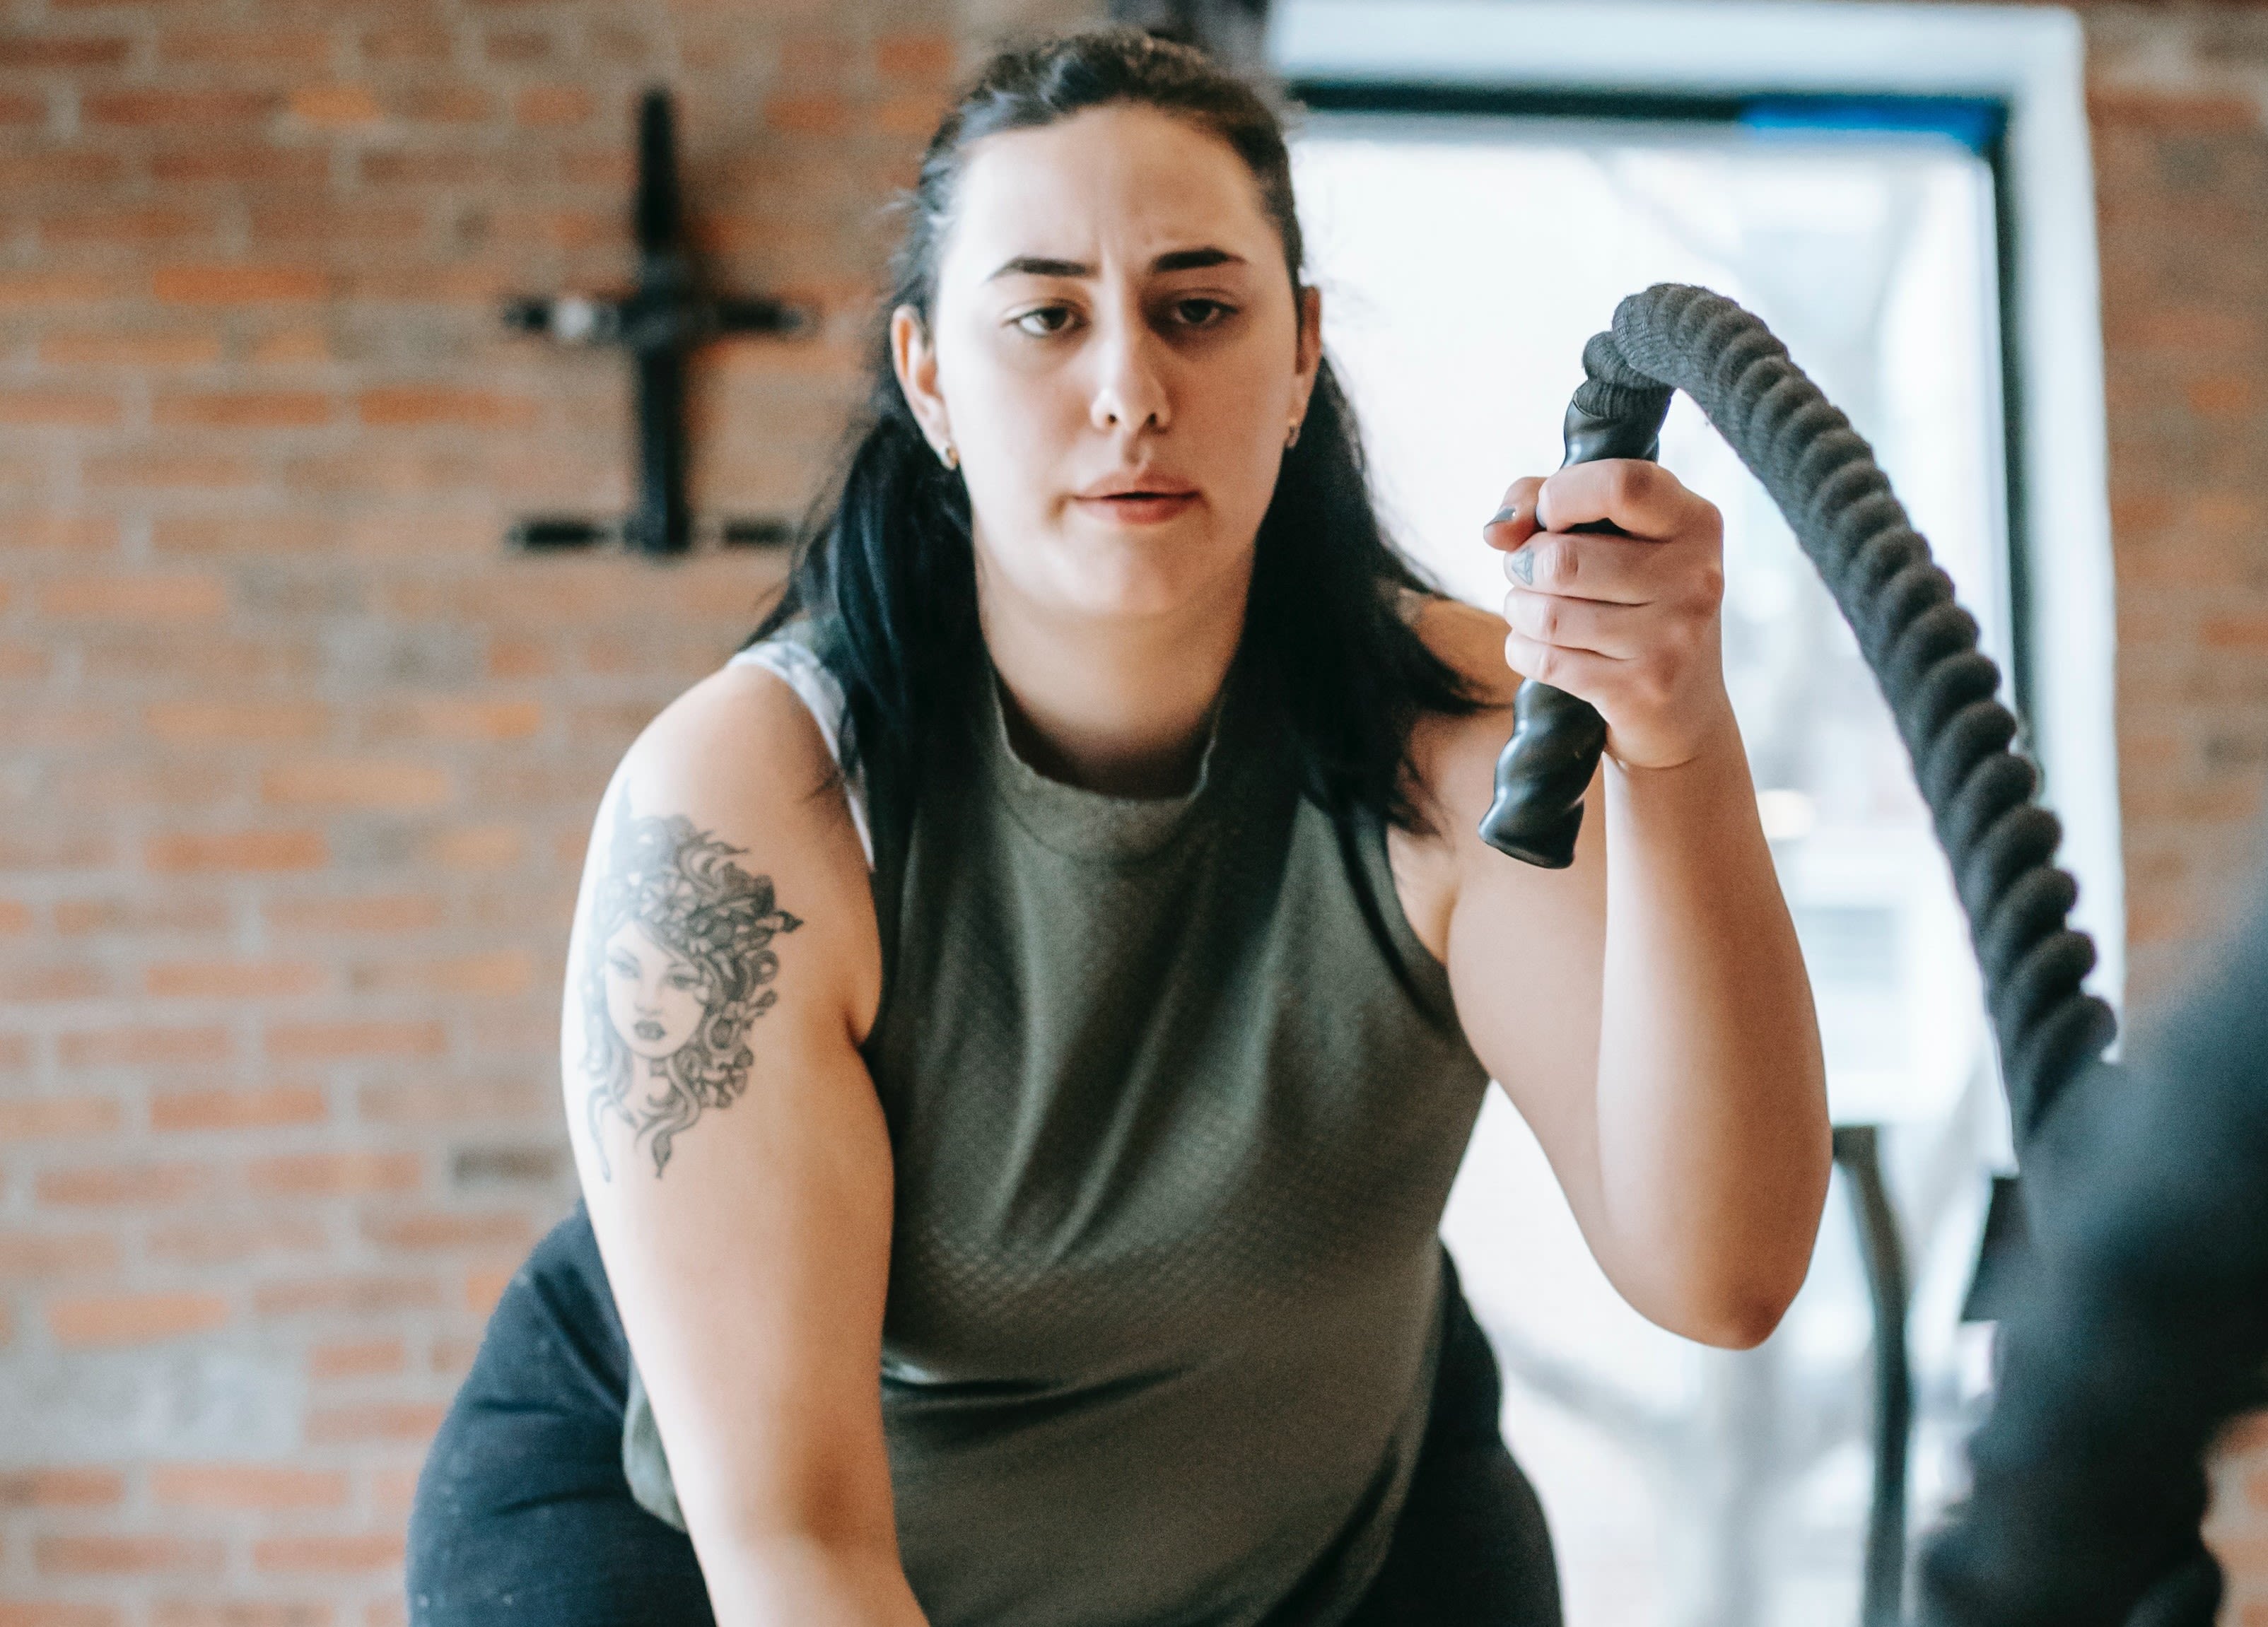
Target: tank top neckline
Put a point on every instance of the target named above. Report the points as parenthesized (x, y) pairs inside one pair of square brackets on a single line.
[(1080, 823)]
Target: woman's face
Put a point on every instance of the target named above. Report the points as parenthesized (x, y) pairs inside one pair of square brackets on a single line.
[(654, 997), (1118, 354)]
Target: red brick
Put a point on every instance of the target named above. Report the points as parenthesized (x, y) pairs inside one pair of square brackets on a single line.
[(284, 346), (485, 1285), (183, 721), (394, 1490), (335, 1041), (71, 533), (236, 49), (371, 913), (427, 100), (166, 224), (545, 106), (277, 1487), (356, 782), (127, 1556), (2170, 109), (331, 1554), (239, 410), (809, 115), (348, 1294), (201, 110), (19, 108), (335, 1175), (130, 350), (435, 404), (31, 1117), (134, 1318), (122, 1186), (60, 1488), (302, 219), (246, 851), (420, 1231), (477, 847), (211, 160), (237, 284), (17, 50), (231, 980), (49, 981), (34, 1613), (130, 1046), (929, 58), (59, 408), (374, 1421), (238, 1109), (148, 597), (334, 107), (150, 469)]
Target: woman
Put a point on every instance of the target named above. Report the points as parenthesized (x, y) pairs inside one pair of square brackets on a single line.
[(1109, 1117)]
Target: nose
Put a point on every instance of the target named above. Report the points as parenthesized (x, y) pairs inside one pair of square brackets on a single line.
[(1129, 387)]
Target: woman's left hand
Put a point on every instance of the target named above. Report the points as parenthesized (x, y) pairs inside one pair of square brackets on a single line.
[(1629, 623)]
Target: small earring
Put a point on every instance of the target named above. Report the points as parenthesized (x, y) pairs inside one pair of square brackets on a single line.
[(1292, 439), (950, 456)]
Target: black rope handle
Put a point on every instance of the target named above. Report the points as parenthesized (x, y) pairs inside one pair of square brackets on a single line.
[(1920, 643)]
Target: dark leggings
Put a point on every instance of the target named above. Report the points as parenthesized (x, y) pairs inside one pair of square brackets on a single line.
[(523, 1516)]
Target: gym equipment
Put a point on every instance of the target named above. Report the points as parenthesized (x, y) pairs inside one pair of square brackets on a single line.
[(2137, 1320), (659, 322)]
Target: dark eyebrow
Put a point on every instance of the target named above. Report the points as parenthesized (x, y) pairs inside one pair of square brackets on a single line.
[(1178, 259)]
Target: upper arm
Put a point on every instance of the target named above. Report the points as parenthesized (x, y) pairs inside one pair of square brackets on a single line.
[(1525, 947), (722, 968)]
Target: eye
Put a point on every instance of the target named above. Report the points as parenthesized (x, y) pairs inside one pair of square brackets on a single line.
[(683, 979), (1199, 311), (1042, 321), (622, 966)]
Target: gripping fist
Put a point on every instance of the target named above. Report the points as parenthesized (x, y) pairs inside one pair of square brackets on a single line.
[(1629, 623)]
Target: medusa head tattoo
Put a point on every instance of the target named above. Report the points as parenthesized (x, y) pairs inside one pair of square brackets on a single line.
[(679, 954)]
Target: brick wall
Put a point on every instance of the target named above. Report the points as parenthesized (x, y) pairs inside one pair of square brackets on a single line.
[(297, 763)]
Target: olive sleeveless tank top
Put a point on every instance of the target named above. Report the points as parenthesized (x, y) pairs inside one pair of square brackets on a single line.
[(1171, 1146)]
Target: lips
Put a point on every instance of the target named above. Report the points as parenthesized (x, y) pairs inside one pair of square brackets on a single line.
[(1137, 499), (648, 1030)]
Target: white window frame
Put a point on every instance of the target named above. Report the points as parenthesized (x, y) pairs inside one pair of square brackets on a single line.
[(2029, 57)]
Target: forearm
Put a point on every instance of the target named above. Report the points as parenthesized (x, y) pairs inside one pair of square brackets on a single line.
[(808, 1581), (1713, 1146)]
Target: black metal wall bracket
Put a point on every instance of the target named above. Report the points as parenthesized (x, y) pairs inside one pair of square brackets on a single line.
[(663, 319)]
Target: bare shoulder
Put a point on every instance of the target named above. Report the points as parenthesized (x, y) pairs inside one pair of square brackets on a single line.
[(734, 775)]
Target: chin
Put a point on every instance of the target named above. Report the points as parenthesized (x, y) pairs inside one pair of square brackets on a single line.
[(1138, 573)]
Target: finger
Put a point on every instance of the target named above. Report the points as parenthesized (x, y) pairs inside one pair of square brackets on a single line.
[(1617, 632), (1579, 672), (1625, 571), (1515, 520), (1633, 496)]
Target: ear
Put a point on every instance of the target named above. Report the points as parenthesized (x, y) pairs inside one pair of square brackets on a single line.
[(1308, 359), (914, 359)]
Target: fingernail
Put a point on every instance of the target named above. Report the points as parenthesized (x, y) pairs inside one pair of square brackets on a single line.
[(1501, 515), (1519, 565)]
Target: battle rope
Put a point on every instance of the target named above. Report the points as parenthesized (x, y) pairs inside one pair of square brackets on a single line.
[(2142, 1319), (1921, 644)]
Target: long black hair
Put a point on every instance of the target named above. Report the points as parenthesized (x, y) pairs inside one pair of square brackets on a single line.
[(885, 568)]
